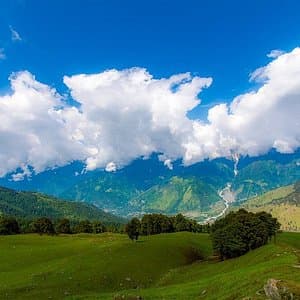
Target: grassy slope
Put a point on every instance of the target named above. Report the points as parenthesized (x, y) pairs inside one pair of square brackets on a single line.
[(282, 203), (102, 266), (37, 267)]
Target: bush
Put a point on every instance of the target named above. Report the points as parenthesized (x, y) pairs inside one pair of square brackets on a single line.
[(133, 229), (84, 227), (9, 225), (63, 226), (43, 226), (98, 227)]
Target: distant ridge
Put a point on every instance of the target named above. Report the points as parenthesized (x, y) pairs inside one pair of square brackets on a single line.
[(33, 205)]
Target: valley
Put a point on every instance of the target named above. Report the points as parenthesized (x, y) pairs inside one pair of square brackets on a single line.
[(199, 191)]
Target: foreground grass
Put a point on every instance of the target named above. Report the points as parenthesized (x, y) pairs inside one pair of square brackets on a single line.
[(158, 267), (38, 267)]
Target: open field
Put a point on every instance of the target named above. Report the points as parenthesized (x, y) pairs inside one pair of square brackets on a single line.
[(106, 266)]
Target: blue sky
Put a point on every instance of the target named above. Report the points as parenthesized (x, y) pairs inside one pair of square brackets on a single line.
[(223, 39), (125, 114)]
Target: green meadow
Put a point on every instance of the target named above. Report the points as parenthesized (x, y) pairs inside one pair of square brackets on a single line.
[(165, 266)]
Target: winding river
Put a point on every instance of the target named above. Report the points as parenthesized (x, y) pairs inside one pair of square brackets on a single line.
[(228, 197)]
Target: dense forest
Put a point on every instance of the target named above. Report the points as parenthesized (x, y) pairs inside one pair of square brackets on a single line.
[(32, 205)]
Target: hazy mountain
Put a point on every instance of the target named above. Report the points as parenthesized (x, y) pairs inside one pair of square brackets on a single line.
[(149, 186)]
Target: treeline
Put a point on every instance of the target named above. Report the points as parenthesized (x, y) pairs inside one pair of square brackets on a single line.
[(11, 225), (242, 231), (159, 223)]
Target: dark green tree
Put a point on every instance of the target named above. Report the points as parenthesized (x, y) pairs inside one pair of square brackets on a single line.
[(98, 227), (241, 231), (63, 226), (133, 229), (9, 225), (43, 226), (84, 226)]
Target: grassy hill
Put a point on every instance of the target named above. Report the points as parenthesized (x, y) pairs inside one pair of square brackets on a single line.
[(283, 203), (109, 266), (32, 205)]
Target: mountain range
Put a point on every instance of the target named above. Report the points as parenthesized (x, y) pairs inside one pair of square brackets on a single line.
[(146, 185)]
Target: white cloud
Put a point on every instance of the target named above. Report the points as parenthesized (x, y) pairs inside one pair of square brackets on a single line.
[(168, 164), (128, 114), (2, 54), (275, 53), (15, 36), (36, 129), (257, 121), (111, 167)]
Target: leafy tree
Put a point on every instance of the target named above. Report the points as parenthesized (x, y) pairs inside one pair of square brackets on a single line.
[(181, 223), (9, 225), (133, 229), (98, 227), (84, 226), (242, 231), (63, 226), (43, 226)]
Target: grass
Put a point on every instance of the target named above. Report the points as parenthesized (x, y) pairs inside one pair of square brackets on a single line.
[(288, 214), (109, 266), (268, 197)]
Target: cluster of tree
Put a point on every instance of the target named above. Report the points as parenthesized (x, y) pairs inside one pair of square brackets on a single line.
[(241, 231), (11, 225), (159, 223)]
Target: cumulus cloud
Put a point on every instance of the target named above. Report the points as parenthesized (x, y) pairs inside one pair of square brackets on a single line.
[(36, 129), (123, 115), (15, 36), (2, 54), (128, 114), (275, 53)]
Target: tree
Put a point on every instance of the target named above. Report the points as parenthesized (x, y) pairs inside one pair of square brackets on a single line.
[(43, 226), (84, 226), (133, 229), (98, 227), (181, 223), (242, 231), (9, 225), (63, 226)]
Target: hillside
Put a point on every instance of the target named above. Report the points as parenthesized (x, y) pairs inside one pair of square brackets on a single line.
[(146, 185), (32, 205), (110, 266), (283, 203), (264, 175), (178, 194)]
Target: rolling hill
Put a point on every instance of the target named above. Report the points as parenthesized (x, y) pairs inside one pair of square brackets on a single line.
[(32, 205), (283, 203), (167, 266)]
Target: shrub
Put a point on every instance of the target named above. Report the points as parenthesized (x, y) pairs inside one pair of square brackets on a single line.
[(43, 226), (133, 229), (9, 225), (63, 226)]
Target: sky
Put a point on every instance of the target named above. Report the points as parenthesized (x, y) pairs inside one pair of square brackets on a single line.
[(99, 81)]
